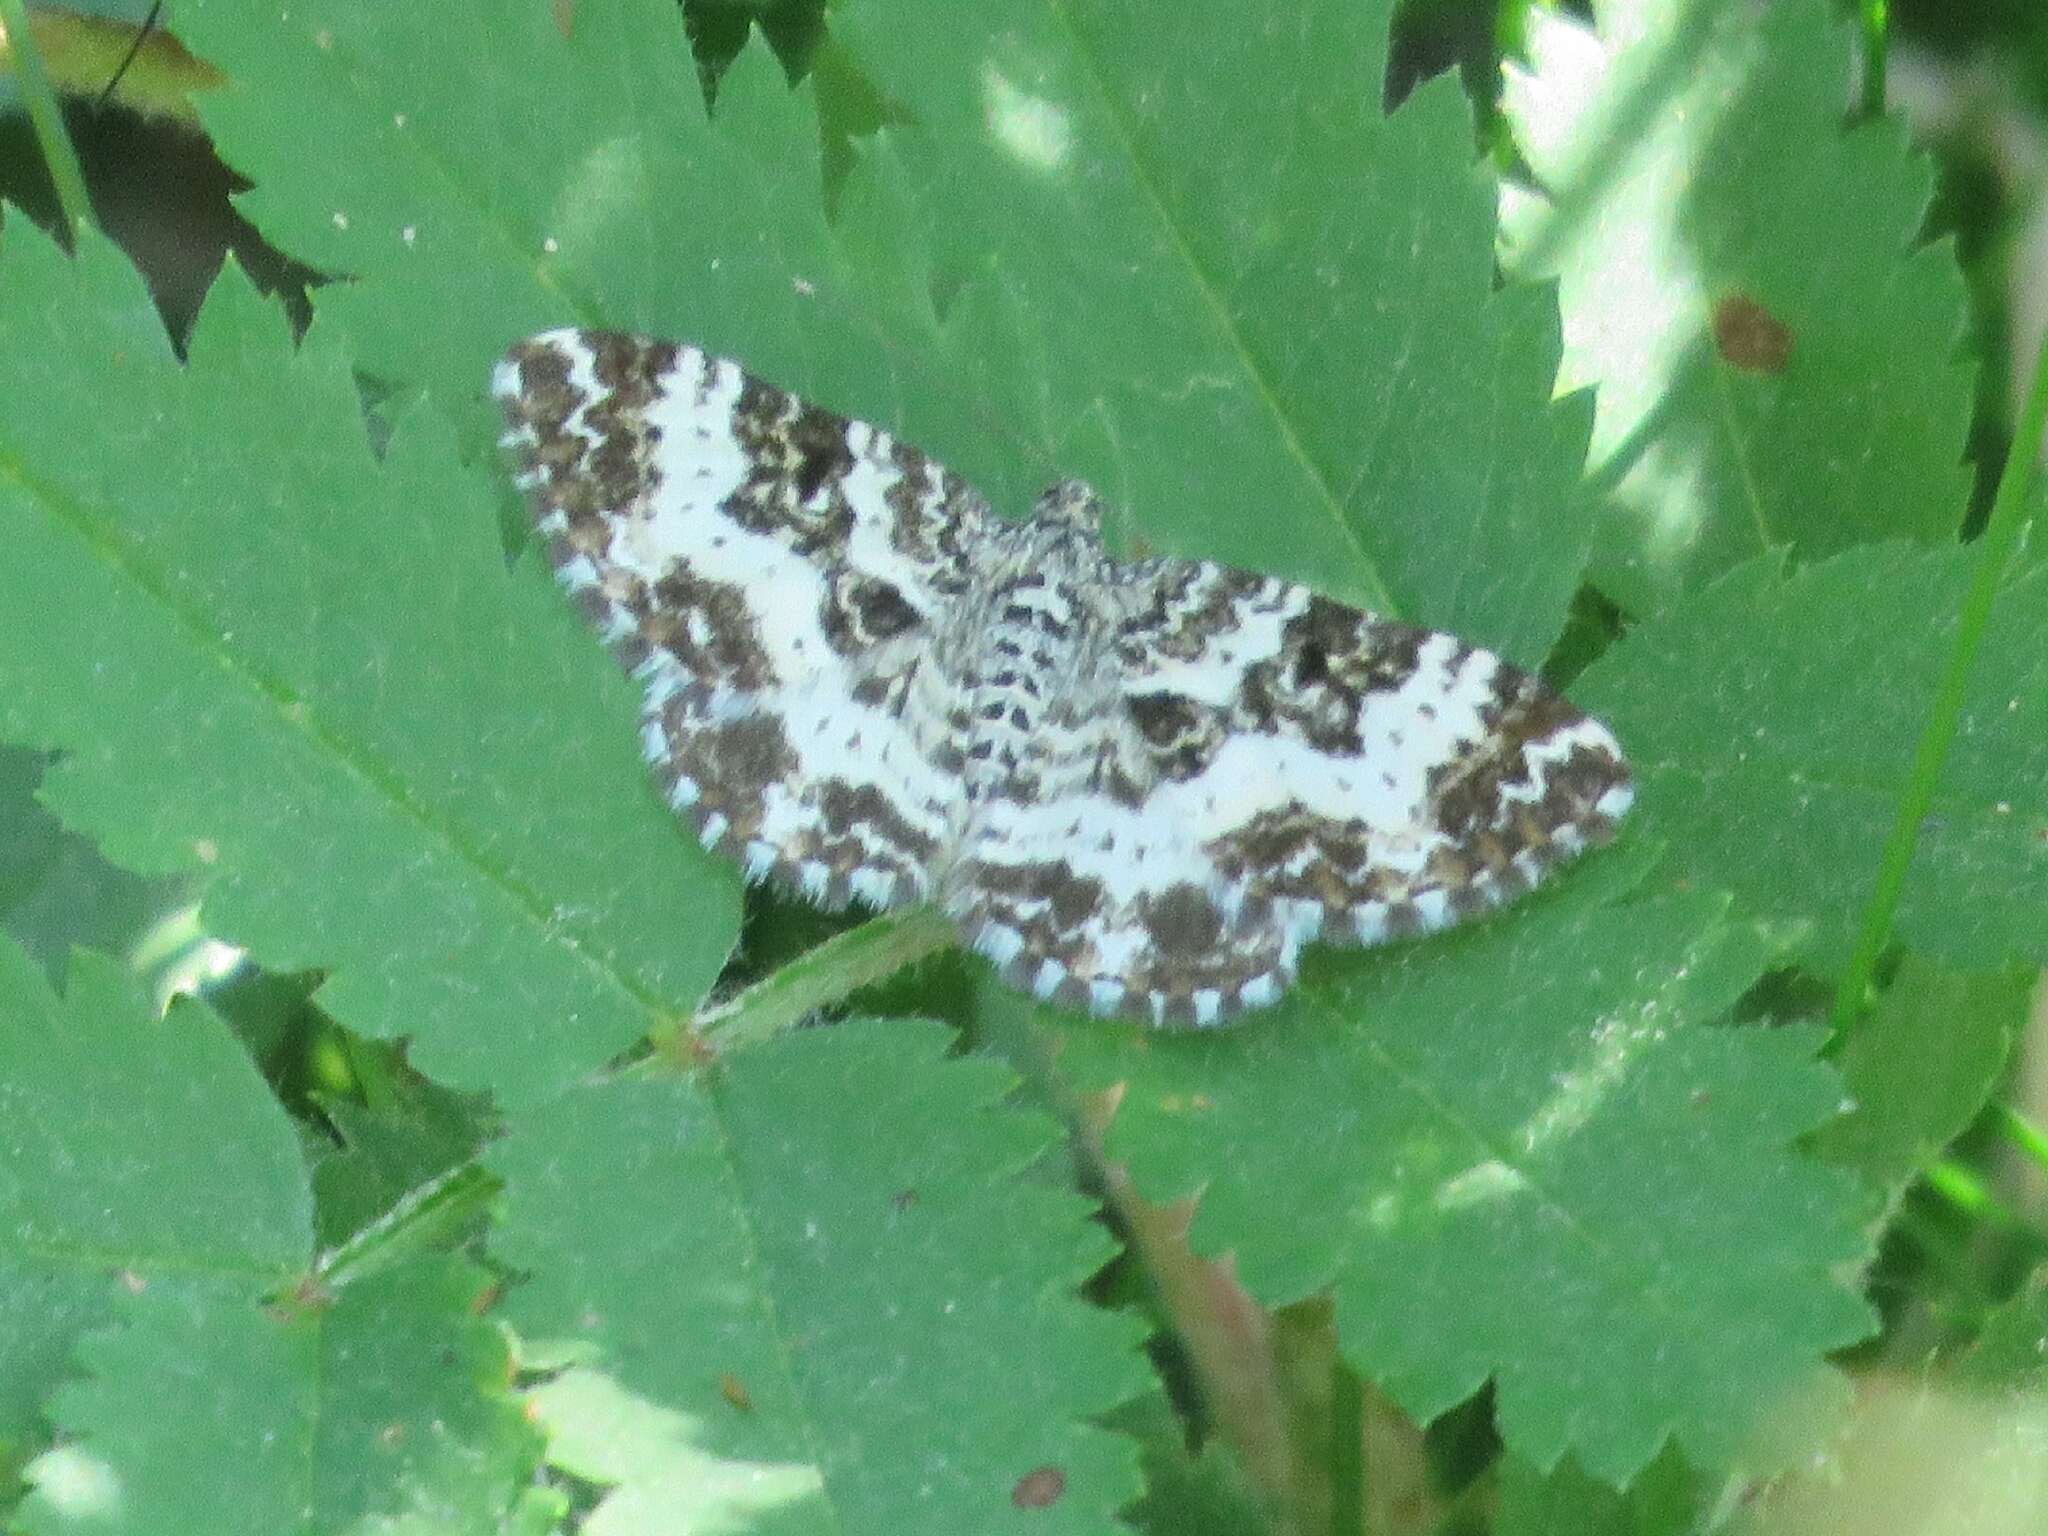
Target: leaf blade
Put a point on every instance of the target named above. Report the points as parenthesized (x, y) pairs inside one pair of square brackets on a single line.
[(1073, 147), (866, 1292), (390, 757), (1511, 1207), (1796, 703), (84, 1217), (386, 1402), (1747, 402)]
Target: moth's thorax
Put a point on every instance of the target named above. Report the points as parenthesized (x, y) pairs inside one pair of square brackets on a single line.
[(1028, 647)]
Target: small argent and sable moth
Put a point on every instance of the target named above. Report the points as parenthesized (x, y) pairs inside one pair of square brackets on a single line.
[(1137, 787)]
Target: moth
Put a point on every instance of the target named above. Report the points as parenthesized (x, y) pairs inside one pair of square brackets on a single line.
[(1138, 787)]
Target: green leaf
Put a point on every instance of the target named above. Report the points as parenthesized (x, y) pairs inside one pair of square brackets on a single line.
[(1921, 1066), (1566, 1502), (307, 673), (1777, 357), (2008, 1356), (1248, 289), (155, 1231), (1522, 1152), (384, 1404), (574, 179), (823, 1256), (56, 892), (1187, 1493), (411, 1133), (141, 1153), (1186, 258), (1772, 722)]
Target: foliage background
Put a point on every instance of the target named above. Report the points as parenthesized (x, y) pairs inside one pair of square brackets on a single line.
[(425, 1211)]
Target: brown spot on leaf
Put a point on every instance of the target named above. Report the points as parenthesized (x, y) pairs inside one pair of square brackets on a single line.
[(1039, 1487), (1750, 336), (305, 1296), (734, 1391)]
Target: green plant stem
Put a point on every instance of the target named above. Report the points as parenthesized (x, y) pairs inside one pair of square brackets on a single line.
[(1964, 1189), (46, 117), (1876, 27), (429, 1219), (2022, 1133), (840, 965), (1994, 553)]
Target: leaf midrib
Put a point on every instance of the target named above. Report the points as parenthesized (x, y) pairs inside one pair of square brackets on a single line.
[(1375, 593)]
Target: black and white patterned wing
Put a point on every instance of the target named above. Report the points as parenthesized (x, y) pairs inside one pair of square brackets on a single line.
[(768, 572), (1277, 767)]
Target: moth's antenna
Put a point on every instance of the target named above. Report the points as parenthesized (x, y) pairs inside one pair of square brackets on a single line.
[(142, 32)]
